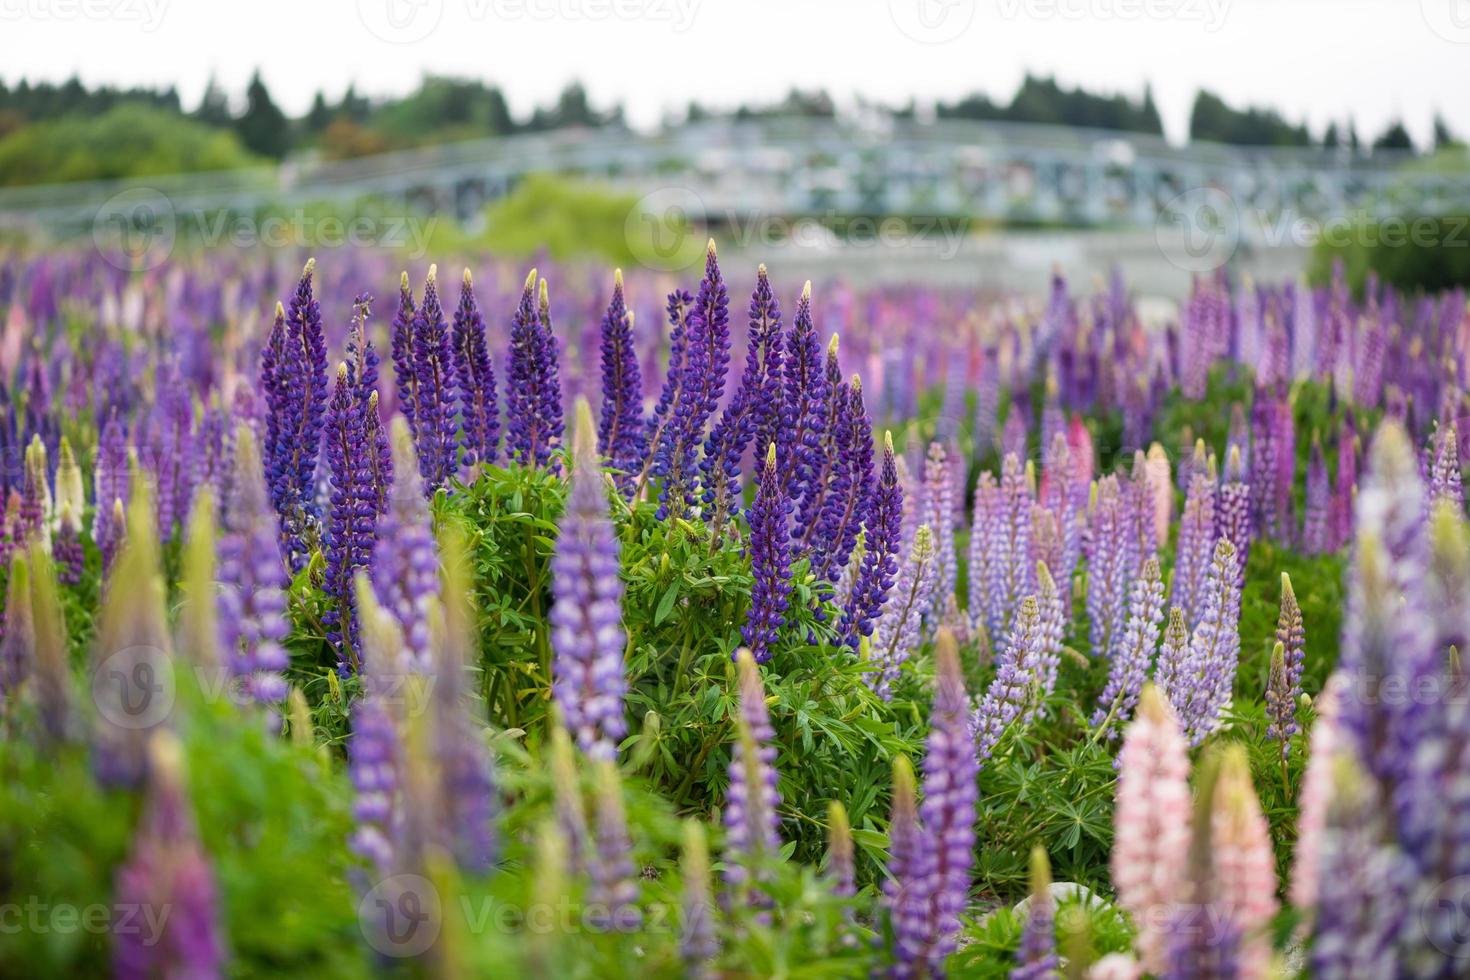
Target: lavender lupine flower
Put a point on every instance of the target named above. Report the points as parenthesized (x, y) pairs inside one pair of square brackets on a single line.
[(1444, 474), (71, 502), (433, 387), (1265, 462), (586, 615), (252, 580), (405, 565), (474, 381), (167, 877), (1037, 959), (1347, 483), (752, 417), (112, 486), (1016, 684), (613, 900), (947, 813), (702, 385), (677, 309), (825, 460), (897, 634), (770, 561), (1280, 706), (1233, 510), (1058, 497), (698, 941), (1292, 635), (936, 509), (1111, 557), (402, 347), (1196, 539), (1129, 669), (903, 894), (622, 437), (752, 823), (1051, 626), (804, 399), (1201, 690), (1316, 522), (351, 515), (882, 537), (35, 501), (376, 749), (983, 571), (168, 450), (852, 486), (1010, 562)]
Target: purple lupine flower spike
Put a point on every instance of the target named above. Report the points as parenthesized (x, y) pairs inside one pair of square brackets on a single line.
[(1129, 669), (804, 399), (770, 561), (614, 893), (1110, 556), (1316, 522), (1444, 474), (1233, 513), (1347, 482), (897, 634), (752, 823), (818, 486), (852, 486), (376, 750), (533, 410), (882, 537), (1280, 706), (1202, 689), (351, 515), (1292, 635), (252, 597), (903, 894), (948, 810), (167, 876), (677, 309), (588, 682), (474, 381), (936, 509), (1196, 538), (112, 486), (1010, 540), (405, 564), (1037, 958), (621, 434), (433, 411), (1016, 685), (402, 347)]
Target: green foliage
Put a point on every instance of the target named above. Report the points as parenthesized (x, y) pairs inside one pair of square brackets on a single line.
[(1411, 252)]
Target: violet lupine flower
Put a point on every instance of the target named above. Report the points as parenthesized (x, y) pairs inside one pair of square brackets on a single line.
[(936, 509), (1444, 474), (983, 572), (1280, 707), (770, 562), (613, 898), (677, 308), (376, 750), (1201, 690), (852, 486), (702, 385), (433, 371), (1010, 563), (1129, 669), (1265, 462), (1037, 959), (112, 486), (947, 813), (351, 515), (1233, 510), (1316, 528), (903, 894), (1058, 497), (1013, 433), (1196, 539), (897, 634), (1292, 635), (401, 348), (818, 484), (1151, 823), (1051, 625), (1347, 483), (474, 381), (698, 942), (622, 437), (752, 822), (168, 450), (586, 614), (1014, 690), (71, 502), (804, 400), (34, 525), (252, 581), (405, 564), (167, 878), (1111, 561), (752, 417), (882, 538), (362, 375)]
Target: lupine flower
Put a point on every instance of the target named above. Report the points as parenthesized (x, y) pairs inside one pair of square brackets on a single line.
[(1151, 823), (113, 485), (402, 349), (1059, 498), (1316, 527), (752, 417), (376, 750), (936, 510), (1111, 562), (818, 485), (882, 536), (1014, 689), (51, 681), (836, 530), (1444, 475), (71, 502), (1141, 502), (474, 381), (167, 876), (1201, 690), (614, 889), (840, 872), (770, 562), (351, 514), (1233, 511), (168, 450), (897, 634), (405, 565), (1243, 863), (1204, 937), (677, 309), (1314, 798), (621, 434), (1051, 625), (1347, 483), (433, 387), (1013, 433), (1266, 451), (1196, 539), (18, 644), (1291, 634), (1129, 669), (804, 399), (1010, 559), (586, 614), (35, 501), (1037, 958), (698, 941), (252, 580), (947, 813), (984, 570), (752, 823), (1163, 502), (903, 894), (1280, 707)]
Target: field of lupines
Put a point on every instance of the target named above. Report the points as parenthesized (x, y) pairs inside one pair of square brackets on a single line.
[(515, 625)]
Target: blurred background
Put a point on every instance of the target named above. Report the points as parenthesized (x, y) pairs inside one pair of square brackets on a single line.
[(949, 141)]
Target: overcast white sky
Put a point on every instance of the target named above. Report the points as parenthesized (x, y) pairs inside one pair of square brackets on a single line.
[(1313, 59)]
